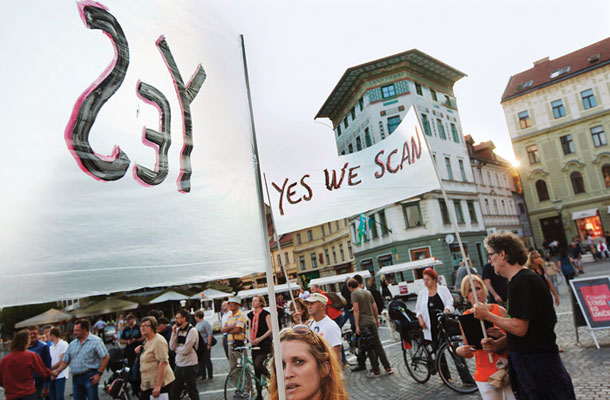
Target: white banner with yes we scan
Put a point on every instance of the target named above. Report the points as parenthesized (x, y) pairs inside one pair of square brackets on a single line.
[(126, 148), (391, 170)]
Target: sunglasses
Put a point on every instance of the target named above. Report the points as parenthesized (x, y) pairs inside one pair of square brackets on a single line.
[(300, 330)]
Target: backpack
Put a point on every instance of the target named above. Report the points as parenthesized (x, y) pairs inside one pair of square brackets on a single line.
[(200, 346), (338, 301)]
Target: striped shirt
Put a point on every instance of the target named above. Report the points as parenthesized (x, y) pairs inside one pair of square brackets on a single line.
[(239, 319), (85, 356)]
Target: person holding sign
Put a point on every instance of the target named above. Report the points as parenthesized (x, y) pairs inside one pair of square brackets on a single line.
[(156, 375), (535, 368), (484, 368)]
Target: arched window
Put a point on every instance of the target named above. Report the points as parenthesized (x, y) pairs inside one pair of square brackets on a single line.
[(543, 193), (577, 182), (521, 208), (606, 174)]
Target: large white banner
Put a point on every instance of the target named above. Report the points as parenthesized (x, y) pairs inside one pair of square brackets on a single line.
[(127, 158), (394, 169)]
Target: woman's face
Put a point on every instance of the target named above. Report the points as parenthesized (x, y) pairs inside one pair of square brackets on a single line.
[(301, 375), (429, 282), (480, 293), (256, 303), (537, 259)]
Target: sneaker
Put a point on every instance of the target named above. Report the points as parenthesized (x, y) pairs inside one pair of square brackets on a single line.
[(359, 368), (211, 378), (373, 374), (389, 371)]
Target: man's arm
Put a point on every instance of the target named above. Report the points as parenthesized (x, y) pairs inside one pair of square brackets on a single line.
[(375, 312), (515, 326), (491, 290), (356, 310), (100, 371), (173, 340)]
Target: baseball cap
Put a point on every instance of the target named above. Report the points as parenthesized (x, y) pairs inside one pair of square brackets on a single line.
[(317, 297), (235, 300)]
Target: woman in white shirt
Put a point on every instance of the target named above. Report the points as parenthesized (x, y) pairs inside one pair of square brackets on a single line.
[(433, 297)]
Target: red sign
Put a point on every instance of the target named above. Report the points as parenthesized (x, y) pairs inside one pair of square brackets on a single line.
[(597, 301)]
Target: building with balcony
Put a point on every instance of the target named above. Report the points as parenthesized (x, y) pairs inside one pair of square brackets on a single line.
[(499, 191), (365, 107), (558, 116)]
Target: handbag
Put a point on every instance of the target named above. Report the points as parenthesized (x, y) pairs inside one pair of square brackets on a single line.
[(214, 341), (499, 379)]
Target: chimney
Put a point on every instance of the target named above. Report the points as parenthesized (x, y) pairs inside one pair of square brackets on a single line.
[(541, 61)]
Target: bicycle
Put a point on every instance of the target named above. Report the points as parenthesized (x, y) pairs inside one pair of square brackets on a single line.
[(422, 360), (241, 381), (351, 340)]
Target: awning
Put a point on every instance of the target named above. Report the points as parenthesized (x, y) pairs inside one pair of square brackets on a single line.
[(51, 316), (427, 262), (169, 296), (110, 305), (211, 294), (584, 214), (264, 290), (326, 280)]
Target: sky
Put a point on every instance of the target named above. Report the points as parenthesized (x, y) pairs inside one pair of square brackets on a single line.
[(297, 52)]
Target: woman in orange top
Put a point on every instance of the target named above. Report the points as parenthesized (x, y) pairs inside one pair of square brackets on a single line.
[(484, 369)]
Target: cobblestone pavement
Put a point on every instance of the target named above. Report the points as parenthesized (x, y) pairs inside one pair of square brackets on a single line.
[(588, 366)]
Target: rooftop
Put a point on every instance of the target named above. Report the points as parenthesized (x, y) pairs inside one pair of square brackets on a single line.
[(546, 72), (414, 59)]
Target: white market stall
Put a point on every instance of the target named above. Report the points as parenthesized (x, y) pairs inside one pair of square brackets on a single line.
[(249, 293), (206, 298), (415, 284), (169, 296), (51, 316), (329, 280)]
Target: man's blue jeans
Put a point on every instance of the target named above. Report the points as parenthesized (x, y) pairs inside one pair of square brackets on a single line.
[(82, 388), (342, 319), (58, 387)]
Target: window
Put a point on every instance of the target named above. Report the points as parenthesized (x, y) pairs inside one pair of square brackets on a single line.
[(441, 129), (454, 133), (341, 253), (521, 208), (323, 231), (588, 99), (495, 202), (606, 174), (426, 124), (489, 181), (412, 214), (449, 170), (393, 123), (567, 144), (560, 71), (383, 224), (358, 144), (353, 113), (314, 260), (472, 212), (418, 88), (361, 104), (543, 193), (459, 214), (462, 170), (309, 235), (327, 255), (350, 148), (577, 182), (598, 135), (302, 263), (444, 211), (349, 249), (345, 123), (381, 132), (524, 119), (298, 238), (487, 208), (532, 154), (498, 182), (433, 93), (367, 138), (338, 130), (373, 226), (558, 110), (447, 101), (388, 91), (286, 258), (503, 207), (334, 255), (279, 259), (330, 228), (337, 225)]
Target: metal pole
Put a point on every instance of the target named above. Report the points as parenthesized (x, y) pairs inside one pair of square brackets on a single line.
[(457, 234), (277, 352)]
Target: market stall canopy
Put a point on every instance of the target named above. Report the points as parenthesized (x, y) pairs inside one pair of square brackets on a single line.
[(584, 214), (211, 294), (244, 294), (110, 305), (169, 296), (51, 316), (427, 262), (327, 280)]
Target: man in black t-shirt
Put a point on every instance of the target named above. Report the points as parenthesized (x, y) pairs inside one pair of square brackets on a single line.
[(131, 338), (497, 285), (535, 368)]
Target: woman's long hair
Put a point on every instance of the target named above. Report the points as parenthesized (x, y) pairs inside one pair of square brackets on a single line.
[(530, 261), (305, 314), (331, 385)]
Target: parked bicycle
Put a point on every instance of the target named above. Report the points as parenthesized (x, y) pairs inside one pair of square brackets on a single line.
[(350, 344), (241, 381), (422, 360)]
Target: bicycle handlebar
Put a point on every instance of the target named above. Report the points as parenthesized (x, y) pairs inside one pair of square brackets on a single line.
[(246, 348)]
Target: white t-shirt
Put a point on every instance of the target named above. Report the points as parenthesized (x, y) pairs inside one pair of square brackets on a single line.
[(224, 319), (328, 329), (56, 351)]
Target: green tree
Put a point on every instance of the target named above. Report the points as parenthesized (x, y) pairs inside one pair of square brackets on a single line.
[(9, 316)]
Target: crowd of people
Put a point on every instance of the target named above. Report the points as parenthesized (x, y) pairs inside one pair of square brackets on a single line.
[(516, 293)]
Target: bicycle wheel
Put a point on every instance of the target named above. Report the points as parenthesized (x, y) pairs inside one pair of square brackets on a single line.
[(455, 371), (239, 385), (416, 360)]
